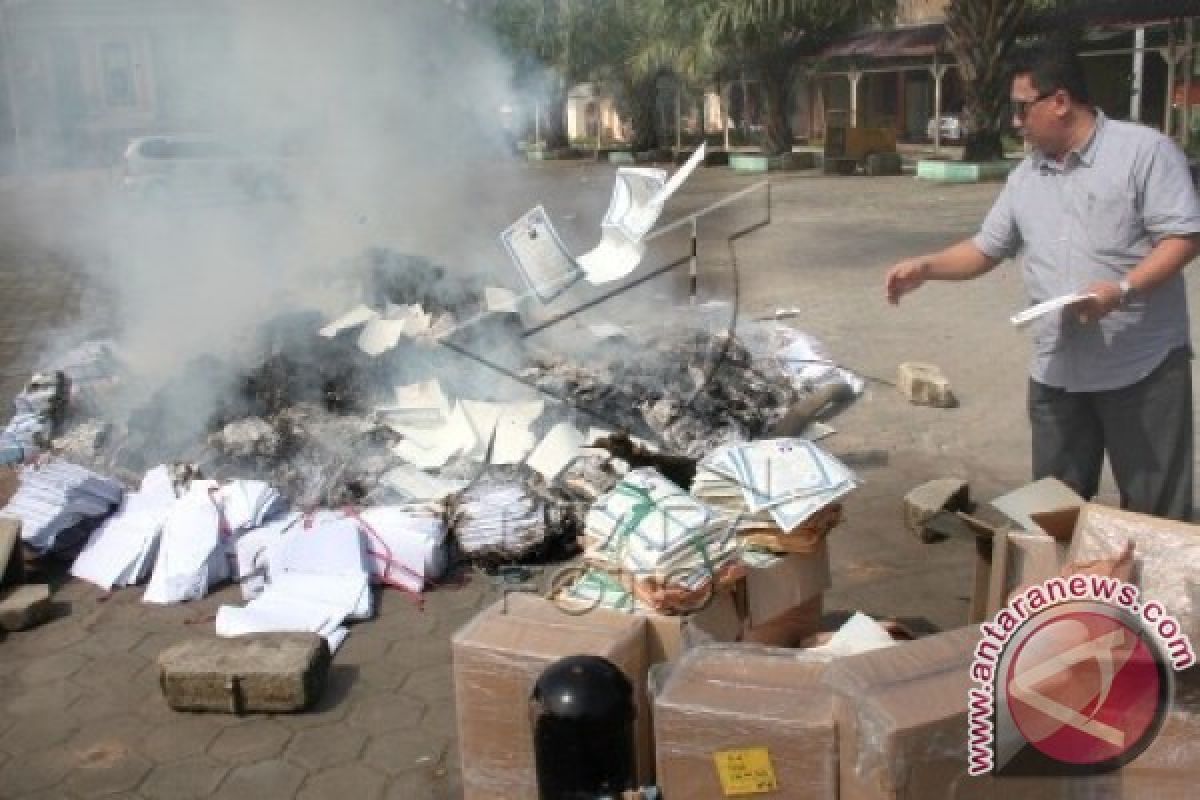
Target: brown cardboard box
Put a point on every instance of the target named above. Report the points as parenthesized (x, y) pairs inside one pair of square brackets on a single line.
[(498, 657), (784, 602), (735, 697), (1166, 556), (721, 620)]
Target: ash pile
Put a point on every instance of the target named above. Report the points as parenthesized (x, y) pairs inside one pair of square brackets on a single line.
[(415, 456)]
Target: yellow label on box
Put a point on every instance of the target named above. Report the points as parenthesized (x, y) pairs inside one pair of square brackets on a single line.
[(745, 771)]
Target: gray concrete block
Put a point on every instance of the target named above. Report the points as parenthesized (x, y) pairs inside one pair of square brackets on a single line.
[(924, 502), (12, 565), (24, 607), (276, 672), (925, 385)]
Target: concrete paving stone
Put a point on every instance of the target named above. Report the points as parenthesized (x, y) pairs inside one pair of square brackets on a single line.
[(185, 736), (25, 607), (327, 746), (440, 720), (333, 705), (253, 739), (96, 704), (156, 642), (52, 637), (42, 699), (411, 786), (36, 771), (265, 779), (115, 733), (37, 733), (422, 652), (363, 646), (107, 641), (107, 771), (110, 673), (431, 683), (351, 780), (184, 780), (405, 750), (387, 673), (382, 713)]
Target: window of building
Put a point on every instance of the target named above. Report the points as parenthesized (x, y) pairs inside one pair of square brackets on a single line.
[(116, 61)]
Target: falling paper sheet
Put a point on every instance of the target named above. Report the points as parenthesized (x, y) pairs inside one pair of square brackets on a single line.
[(615, 257), (539, 254), (631, 208), (380, 335), (351, 319)]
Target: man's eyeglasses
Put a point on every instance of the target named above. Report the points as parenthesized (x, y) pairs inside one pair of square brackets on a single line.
[(1020, 108)]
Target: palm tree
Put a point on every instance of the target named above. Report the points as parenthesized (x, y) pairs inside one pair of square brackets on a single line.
[(982, 35), (768, 38)]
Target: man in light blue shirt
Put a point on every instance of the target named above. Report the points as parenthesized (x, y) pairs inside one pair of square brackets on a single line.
[(1108, 209)]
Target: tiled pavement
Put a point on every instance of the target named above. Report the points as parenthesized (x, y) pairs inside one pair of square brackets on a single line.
[(81, 713)]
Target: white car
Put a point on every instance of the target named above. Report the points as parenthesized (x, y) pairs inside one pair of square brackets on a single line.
[(954, 128), (190, 167)]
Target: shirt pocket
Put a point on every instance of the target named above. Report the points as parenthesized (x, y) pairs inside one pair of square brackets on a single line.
[(1112, 219)]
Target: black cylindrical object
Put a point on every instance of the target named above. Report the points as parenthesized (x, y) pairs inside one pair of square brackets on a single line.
[(583, 713)]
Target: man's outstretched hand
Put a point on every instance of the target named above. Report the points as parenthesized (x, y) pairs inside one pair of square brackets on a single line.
[(905, 277)]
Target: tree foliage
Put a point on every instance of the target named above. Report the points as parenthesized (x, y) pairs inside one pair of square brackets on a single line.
[(982, 35)]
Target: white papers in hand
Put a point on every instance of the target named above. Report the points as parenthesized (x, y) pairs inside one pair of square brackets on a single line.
[(1048, 307), (539, 254)]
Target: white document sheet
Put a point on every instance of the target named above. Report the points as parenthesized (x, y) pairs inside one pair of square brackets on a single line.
[(501, 301), (405, 546), (555, 452), (190, 538), (509, 421), (539, 254), (380, 335), (1048, 307), (615, 257), (351, 319), (632, 209)]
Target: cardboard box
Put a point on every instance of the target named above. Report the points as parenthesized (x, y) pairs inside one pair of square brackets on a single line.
[(783, 603), (670, 636), (901, 716), (498, 657), (741, 698)]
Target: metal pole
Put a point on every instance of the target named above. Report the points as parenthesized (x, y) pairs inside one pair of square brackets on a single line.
[(1139, 63), (1170, 79), (725, 117), (854, 76), (693, 267), (678, 116), (537, 122), (938, 71), (1189, 63)]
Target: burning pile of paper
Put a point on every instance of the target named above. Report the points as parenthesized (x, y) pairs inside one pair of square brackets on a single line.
[(670, 549), (774, 489)]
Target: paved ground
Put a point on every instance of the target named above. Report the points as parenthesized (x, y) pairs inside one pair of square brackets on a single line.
[(80, 711)]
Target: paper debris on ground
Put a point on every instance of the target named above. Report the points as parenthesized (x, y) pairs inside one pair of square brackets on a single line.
[(380, 335), (406, 544), (499, 519), (119, 551), (556, 451), (190, 558)]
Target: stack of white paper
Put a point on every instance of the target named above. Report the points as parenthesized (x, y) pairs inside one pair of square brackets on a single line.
[(190, 556), (772, 483), (499, 519), (55, 496), (248, 504), (651, 529), (406, 544), (318, 579), (256, 550), (121, 550)]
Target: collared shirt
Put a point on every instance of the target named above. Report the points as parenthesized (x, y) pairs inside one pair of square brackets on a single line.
[(1093, 217)]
